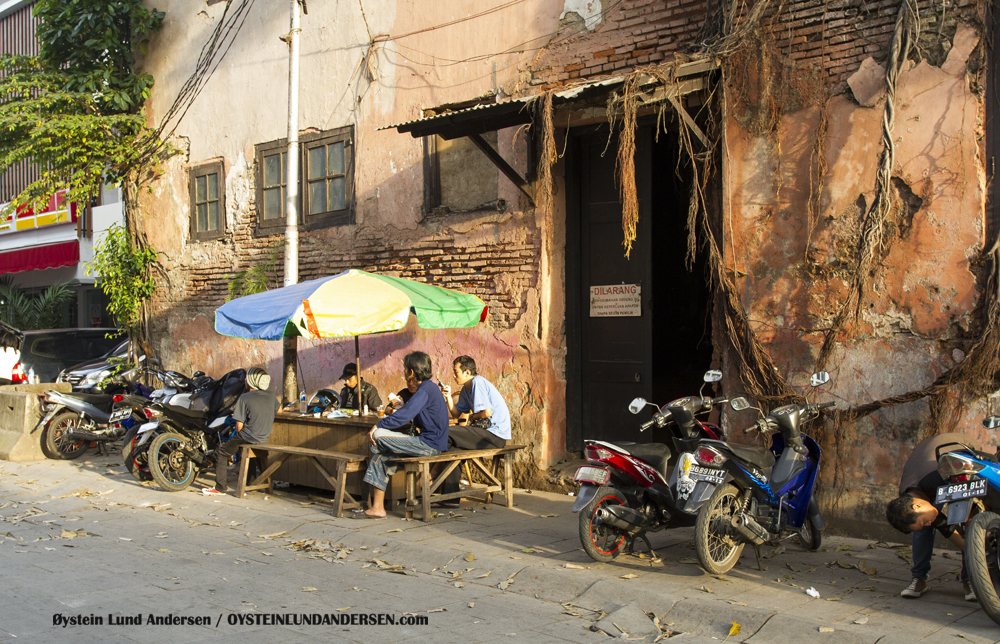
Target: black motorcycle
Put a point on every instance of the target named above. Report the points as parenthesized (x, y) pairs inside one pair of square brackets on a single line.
[(184, 439)]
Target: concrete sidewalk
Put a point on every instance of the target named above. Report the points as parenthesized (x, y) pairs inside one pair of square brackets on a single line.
[(83, 538)]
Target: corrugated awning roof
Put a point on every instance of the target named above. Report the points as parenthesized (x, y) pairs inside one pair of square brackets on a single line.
[(487, 117)]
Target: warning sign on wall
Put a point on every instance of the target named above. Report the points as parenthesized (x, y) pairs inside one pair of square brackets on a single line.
[(619, 300)]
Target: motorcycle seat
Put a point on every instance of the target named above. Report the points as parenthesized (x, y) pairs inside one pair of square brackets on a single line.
[(654, 454), (760, 457), (184, 411), (92, 399)]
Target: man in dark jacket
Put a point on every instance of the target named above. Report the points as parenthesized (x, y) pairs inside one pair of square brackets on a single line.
[(914, 511), (349, 394), (429, 413)]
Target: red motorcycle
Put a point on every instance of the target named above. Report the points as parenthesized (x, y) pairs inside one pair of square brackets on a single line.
[(626, 491)]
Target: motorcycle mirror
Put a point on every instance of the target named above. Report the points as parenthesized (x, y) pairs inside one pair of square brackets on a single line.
[(637, 405), (991, 422), (713, 376), (819, 378), (155, 362), (739, 404)]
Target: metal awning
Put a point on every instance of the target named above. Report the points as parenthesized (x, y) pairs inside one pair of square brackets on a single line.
[(487, 117), (452, 122)]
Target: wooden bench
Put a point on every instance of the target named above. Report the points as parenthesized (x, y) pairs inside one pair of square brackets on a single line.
[(345, 464), (486, 461)]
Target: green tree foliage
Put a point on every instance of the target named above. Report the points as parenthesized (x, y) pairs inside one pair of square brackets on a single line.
[(74, 110), (124, 269), (27, 312)]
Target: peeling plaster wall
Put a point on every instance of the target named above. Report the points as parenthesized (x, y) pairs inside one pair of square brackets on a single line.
[(511, 259), (918, 309)]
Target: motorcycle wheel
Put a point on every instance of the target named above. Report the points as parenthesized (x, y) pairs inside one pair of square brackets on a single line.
[(602, 542), (57, 444), (171, 469), (809, 536), (135, 456), (716, 543), (982, 560)]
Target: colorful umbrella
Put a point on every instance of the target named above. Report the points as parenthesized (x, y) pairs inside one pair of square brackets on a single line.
[(349, 304), (352, 303)]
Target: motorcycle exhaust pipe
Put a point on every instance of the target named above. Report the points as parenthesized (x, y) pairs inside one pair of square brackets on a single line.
[(84, 435), (750, 529), (195, 456), (618, 516)]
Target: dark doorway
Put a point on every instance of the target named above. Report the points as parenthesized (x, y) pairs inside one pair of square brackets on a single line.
[(660, 354)]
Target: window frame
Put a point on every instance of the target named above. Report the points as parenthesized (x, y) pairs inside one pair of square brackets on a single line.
[(334, 217), (433, 206), (203, 169), (272, 226)]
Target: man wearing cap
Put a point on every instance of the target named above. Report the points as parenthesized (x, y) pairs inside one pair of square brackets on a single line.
[(254, 415), (349, 394)]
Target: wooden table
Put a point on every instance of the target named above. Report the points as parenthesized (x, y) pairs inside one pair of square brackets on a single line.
[(349, 435)]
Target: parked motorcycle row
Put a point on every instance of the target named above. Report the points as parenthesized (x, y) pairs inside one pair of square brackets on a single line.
[(736, 494), (167, 434)]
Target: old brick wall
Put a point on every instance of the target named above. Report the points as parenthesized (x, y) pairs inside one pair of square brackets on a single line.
[(834, 36)]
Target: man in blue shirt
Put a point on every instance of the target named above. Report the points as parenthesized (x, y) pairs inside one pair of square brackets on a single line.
[(487, 419), (429, 413)]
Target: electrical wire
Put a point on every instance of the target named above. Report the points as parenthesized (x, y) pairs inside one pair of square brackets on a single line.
[(516, 49), (212, 53)]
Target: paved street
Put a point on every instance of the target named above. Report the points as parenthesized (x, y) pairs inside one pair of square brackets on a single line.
[(82, 539)]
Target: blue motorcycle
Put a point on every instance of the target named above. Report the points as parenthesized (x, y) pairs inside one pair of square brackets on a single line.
[(764, 496), (972, 487)]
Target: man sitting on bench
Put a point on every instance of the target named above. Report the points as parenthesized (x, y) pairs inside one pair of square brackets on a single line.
[(429, 414), (488, 419)]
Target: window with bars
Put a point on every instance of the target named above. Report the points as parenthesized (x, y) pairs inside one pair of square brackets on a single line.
[(208, 201), (326, 175)]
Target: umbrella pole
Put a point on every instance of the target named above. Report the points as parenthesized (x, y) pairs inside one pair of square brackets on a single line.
[(357, 362)]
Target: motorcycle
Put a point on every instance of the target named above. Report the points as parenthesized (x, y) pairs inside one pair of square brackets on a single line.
[(972, 487), (178, 390), (180, 440), (761, 495), (73, 421), (624, 491)]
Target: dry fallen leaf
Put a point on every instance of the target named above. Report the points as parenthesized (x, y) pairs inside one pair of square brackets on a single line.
[(469, 556), (629, 576), (309, 589), (706, 589), (826, 629), (547, 516), (472, 604), (861, 620), (394, 530), (163, 550), (573, 566), (734, 630)]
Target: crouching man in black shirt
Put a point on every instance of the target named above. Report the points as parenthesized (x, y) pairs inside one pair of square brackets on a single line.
[(254, 416), (914, 511)]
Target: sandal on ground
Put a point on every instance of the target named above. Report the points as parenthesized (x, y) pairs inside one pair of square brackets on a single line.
[(211, 491), (364, 515)]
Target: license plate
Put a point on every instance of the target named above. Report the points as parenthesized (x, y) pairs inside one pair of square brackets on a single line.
[(960, 491), (699, 473), (595, 475), (120, 414)]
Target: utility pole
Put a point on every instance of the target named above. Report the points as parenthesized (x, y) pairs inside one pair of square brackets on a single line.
[(289, 354)]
